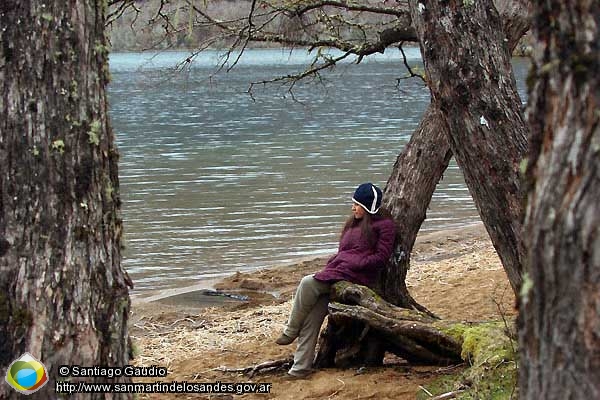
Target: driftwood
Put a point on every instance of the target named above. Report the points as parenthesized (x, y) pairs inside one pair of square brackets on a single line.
[(362, 327), (262, 368)]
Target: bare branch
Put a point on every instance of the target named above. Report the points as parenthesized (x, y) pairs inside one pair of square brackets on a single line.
[(355, 27), (313, 70), (352, 7), (123, 5), (412, 74), (252, 7)]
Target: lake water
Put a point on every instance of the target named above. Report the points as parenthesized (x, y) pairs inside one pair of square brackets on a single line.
[(215, 180)]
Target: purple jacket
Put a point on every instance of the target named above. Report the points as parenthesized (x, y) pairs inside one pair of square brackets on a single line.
[(355, 260)]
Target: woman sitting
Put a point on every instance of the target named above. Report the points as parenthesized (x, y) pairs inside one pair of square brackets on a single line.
[(366, 243)]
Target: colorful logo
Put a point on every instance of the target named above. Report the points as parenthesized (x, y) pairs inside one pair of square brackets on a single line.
[(26, 374)]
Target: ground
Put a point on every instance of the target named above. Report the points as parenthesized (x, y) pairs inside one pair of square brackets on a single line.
[(456, 274)]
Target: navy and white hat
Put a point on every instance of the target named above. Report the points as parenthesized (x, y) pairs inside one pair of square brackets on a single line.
[(368, 196)]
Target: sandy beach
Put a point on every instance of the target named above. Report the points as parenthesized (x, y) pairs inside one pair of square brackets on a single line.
[(203, 339)]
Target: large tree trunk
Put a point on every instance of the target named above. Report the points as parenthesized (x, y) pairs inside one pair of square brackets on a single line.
[(467, 61), (421, 165), (63, 294), (560, 303)]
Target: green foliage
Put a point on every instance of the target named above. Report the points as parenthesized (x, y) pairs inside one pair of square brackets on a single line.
[(100, 48), (135, 350), (74, 89), (456, 331), (549, 67), (486, 343)]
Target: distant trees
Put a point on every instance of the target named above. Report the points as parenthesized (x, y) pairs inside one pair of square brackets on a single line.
[(63, 294), (559, 329), (196, 24), (160, 24)]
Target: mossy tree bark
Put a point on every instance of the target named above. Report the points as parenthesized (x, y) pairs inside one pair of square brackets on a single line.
[(63, 294), (560, 303)]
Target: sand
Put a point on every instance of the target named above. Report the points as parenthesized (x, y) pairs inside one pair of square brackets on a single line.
[(204, 339)]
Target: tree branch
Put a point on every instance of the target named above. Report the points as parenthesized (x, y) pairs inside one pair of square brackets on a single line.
[(352, 7)]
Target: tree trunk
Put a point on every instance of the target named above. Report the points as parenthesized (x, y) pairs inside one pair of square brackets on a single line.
[(420, 167), (408, 193), (63, 294), (516, 20), (470, 77), (560, 302)]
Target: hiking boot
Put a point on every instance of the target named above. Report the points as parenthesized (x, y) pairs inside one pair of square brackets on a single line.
[(304, 374), (284, 340)]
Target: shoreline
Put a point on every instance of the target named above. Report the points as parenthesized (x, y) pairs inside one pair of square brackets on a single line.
[(195, 296), (456, 274)]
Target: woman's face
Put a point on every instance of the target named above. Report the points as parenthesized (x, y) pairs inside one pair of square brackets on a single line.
[(358, 211)]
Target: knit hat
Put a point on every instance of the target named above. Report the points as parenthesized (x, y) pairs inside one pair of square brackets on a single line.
[(368, 196)]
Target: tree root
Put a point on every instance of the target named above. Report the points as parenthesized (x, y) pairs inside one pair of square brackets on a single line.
[(362, 327)]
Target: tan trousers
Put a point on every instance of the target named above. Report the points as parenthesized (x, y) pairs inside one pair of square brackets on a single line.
[(308, 312)]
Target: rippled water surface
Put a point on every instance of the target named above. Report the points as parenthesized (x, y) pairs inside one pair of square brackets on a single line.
[(215, 180)]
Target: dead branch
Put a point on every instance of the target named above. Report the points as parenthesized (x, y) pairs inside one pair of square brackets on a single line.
[(349, 6), (411, 73), (262, 368), (324, 27)]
